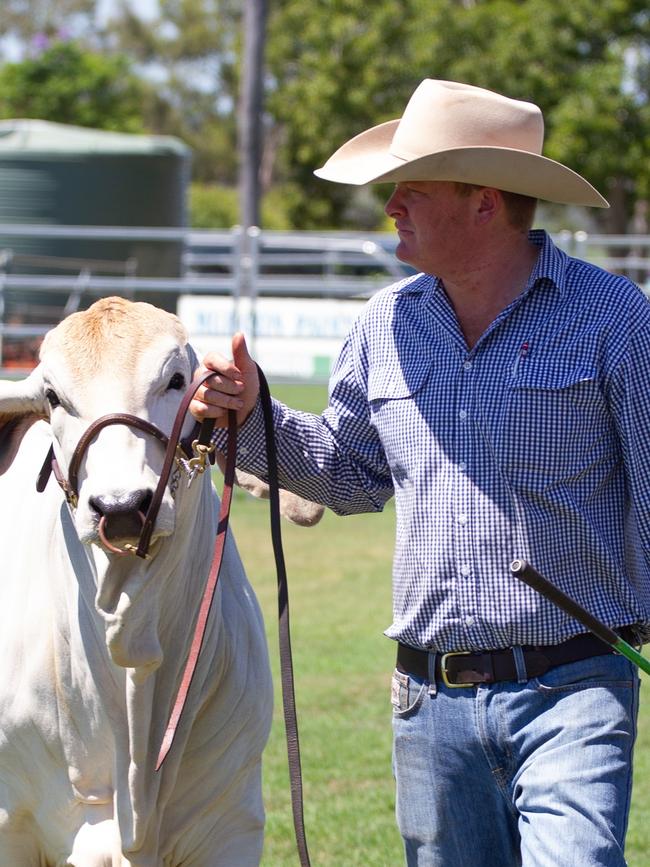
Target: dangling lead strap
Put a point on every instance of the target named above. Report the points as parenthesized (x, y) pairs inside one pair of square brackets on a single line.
[(286, 663)]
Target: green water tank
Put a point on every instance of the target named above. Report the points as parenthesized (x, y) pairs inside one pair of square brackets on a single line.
[(58, 175)]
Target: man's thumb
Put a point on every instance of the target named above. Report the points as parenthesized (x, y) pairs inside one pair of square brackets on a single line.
[(240, 355)]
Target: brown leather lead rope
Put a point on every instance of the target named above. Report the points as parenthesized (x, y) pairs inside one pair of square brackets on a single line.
[(208, 593), (170, 454), (286, 663)]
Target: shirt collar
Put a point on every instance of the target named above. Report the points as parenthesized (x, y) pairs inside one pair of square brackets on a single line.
[(551, 262)]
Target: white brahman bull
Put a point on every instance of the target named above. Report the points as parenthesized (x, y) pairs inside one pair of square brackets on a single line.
[(93, 644)]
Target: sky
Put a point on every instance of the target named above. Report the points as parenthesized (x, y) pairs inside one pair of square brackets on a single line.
[(13, 50), (146, 8)]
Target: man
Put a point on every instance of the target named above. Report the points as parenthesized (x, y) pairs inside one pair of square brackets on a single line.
[(500, 396)]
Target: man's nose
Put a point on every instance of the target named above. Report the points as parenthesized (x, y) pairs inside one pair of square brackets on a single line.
[(394, 206)]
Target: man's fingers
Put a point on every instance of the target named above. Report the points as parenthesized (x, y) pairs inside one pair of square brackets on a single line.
[(233, 385), (219, 385)]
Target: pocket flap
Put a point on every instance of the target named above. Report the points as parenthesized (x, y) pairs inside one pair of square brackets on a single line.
[(553, 376), (393, 381)]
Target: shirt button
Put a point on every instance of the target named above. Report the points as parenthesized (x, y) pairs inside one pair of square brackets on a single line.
[(462, 519), (469, 620), (243, 450), (467, 365), (462, 415), (465, 569), (462, 466)]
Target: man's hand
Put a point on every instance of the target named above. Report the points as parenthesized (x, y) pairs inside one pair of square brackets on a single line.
[(235, 385)]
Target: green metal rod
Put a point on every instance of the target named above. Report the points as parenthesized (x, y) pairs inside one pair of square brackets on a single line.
[(529, 575)]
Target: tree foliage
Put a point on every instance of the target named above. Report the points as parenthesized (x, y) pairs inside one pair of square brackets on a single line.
[(68, 84), (30, 19), (353, 64), (336, 67), (190, 51)]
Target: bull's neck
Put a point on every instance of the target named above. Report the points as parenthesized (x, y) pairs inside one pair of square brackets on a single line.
[(148, 633)]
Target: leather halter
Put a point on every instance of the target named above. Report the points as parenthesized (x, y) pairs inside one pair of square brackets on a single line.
[(196, 448)]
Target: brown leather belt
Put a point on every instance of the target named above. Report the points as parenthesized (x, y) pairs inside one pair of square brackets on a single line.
[(469, 668)]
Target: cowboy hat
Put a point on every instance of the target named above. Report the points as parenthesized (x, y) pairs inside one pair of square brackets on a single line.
[(457, 132)]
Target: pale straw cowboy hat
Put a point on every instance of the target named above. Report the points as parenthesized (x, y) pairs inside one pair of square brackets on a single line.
[(456, 132)]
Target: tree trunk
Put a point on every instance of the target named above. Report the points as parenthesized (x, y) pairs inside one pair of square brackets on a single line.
[(250, 112)]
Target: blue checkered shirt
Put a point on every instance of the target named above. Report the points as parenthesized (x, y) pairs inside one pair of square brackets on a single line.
[(534, 444)]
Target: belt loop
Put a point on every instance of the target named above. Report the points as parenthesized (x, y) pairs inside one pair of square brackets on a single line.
[(431, 664), (520, 664)]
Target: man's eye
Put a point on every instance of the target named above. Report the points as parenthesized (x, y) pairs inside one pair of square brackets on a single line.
[(176, 382), (52, 398)]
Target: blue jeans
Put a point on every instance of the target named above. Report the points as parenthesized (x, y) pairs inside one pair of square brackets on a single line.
[(535, 773)]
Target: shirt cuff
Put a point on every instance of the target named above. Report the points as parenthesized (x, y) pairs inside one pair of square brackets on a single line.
[(251, 443)]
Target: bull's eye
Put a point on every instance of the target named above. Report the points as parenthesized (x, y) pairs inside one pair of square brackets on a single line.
[(176, 382), (52, 398)]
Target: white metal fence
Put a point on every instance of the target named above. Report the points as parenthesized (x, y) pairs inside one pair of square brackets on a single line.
[(255, 264)]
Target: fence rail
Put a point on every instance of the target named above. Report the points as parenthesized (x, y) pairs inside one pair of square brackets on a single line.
[(231, 263)]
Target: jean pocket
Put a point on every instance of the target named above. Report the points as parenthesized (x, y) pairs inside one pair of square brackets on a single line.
[(609, 669), (406, 693)]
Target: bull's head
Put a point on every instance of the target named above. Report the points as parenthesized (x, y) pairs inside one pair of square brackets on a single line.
[(116, 357)]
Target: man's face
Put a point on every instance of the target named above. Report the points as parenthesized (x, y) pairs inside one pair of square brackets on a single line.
[(432, 220)]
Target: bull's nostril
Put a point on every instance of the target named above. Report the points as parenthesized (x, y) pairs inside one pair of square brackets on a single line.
[(112, 505), (121, 517)]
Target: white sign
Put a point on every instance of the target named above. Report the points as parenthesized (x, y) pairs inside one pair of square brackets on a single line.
[(288, 337)]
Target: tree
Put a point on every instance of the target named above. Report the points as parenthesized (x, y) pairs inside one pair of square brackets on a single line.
[(68, 84), (335, 67), (339, 66), (190, 50), (35, 20)]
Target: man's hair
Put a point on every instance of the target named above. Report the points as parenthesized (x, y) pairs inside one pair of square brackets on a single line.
[(520, 210)]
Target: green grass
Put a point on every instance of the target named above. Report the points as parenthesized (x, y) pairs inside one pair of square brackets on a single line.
[(310, 398), (340, 587)]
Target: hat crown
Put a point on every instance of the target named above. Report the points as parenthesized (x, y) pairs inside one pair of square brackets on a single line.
[(442, 115)]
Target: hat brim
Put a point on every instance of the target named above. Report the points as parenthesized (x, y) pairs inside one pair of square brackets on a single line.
[(366, 159)]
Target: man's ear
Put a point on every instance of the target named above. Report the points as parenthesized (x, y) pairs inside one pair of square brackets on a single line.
[(490, 202)]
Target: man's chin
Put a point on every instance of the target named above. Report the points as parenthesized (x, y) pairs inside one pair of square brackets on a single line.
[(404, 255)]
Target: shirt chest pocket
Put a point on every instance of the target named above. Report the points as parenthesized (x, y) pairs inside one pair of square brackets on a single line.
[(556, 425), (399, 400)]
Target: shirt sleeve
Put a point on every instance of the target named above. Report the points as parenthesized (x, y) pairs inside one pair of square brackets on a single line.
[(335, 459), (631, 408)]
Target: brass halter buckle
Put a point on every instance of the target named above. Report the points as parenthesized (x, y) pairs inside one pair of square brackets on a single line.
[(199, 462)]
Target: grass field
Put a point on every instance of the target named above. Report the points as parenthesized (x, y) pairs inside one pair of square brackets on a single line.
[(339, 582)]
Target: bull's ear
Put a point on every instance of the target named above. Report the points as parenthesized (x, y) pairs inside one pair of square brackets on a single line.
[(21, 404)]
